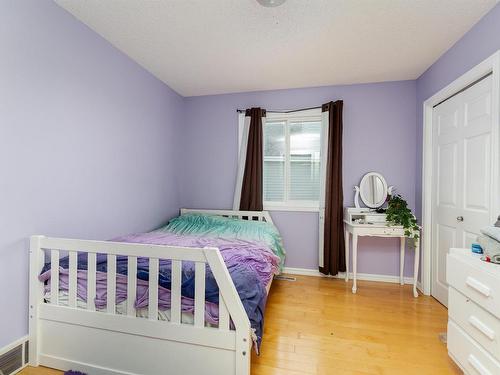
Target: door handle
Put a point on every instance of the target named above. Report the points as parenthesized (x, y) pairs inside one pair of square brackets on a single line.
[(460, 218)]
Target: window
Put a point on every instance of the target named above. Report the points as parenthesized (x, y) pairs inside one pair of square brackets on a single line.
[(292, 160)]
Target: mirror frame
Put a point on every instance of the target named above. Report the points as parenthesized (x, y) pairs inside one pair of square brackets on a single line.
[(364, 198)]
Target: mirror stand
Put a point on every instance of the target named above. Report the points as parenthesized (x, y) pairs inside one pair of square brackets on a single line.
[(356, 197), (372, 190)]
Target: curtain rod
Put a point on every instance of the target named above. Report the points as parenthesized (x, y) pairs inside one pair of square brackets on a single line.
[(465, 88), (291, 111)]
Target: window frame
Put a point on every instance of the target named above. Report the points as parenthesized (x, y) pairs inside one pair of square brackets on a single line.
[(309, 115)]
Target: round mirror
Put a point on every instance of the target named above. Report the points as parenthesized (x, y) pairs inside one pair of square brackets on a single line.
[(373, 190)]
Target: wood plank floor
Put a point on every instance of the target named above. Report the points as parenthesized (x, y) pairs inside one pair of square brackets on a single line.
[(317, 326)]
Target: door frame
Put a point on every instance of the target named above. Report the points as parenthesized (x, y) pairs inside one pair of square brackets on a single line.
[(490, 65)]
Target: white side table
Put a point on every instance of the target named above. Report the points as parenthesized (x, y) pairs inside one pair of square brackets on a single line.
[(378, 230)]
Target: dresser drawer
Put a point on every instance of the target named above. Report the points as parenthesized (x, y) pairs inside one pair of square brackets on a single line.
[(392, 231), (469, 354), (475, 321), (480, 286)]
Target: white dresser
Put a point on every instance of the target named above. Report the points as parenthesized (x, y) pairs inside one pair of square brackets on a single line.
[(473, 312), (366, 222)]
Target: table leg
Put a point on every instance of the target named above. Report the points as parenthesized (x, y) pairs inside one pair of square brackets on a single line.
[(415, 267), (346, 240), (354, 261), (402, 261)]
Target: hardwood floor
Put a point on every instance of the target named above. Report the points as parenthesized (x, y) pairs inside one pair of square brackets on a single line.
[(317, 326)]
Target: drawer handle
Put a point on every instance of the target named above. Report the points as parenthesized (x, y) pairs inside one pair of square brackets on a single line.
[(478, 286), (481, 327), (478, 366)]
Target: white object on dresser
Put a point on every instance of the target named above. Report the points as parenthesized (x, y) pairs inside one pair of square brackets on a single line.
[(473, 312), (366, 222), (373, 190)]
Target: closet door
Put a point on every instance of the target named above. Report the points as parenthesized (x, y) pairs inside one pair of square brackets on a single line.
[(463, 175)]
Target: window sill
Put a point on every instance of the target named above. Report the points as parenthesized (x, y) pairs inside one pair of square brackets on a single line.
[(271, 207)]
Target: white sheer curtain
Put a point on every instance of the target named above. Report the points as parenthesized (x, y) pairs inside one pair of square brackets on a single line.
[(322, 184), (243, 126)]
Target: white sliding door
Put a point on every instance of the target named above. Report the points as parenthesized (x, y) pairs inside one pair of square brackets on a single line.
[(462, 170)]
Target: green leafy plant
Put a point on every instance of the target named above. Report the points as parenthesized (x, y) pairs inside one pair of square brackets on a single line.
[(398, 213)]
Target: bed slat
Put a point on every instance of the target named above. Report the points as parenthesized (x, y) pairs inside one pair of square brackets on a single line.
[(73, 279), (175, 296), (153, 289), (131, 285), (91, 278), (223, 314), (199, 294), (111, 285), (54, 277)]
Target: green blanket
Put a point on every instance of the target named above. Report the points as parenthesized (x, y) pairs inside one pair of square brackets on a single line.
[(196, 224)]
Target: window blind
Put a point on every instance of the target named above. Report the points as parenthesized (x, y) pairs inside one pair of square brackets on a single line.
[(292, 161)]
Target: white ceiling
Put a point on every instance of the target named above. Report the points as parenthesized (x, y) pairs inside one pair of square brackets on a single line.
[(203, 47)]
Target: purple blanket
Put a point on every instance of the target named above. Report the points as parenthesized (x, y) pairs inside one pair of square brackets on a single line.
[(254, 255), (250, 264)]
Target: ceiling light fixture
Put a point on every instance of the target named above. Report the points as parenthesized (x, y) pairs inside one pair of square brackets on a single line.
[(270, 3)]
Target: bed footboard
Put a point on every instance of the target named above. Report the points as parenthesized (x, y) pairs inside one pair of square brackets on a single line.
[(69, 336)]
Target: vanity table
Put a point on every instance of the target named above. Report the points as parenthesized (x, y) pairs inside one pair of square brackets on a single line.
[(367, 222)]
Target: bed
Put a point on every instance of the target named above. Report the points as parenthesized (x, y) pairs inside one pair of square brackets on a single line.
[(186, 298)]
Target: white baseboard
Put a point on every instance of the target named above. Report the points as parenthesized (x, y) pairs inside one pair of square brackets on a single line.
[(341, 275), (419, 287)]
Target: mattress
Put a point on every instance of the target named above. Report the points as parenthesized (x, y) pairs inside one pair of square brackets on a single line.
[(121, 308)]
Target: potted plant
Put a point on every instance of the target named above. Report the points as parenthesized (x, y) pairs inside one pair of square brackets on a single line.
[(398, 213)]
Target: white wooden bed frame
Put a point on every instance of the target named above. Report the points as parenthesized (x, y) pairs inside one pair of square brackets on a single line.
[(104, 343)]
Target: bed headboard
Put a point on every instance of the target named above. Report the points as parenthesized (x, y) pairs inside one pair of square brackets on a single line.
[(244, 215)]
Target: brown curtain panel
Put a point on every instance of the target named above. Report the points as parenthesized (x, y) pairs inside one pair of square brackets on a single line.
[(251, 188), (333, 248)]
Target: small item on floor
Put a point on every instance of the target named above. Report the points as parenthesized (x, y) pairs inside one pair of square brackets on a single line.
[(286, 278), (476, 248), (71, 372), (443, 337), (497, 224)]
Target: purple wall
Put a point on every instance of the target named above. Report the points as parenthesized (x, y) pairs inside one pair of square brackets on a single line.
[(478, 44), (82, 124), (379, 135), (87, 144)]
